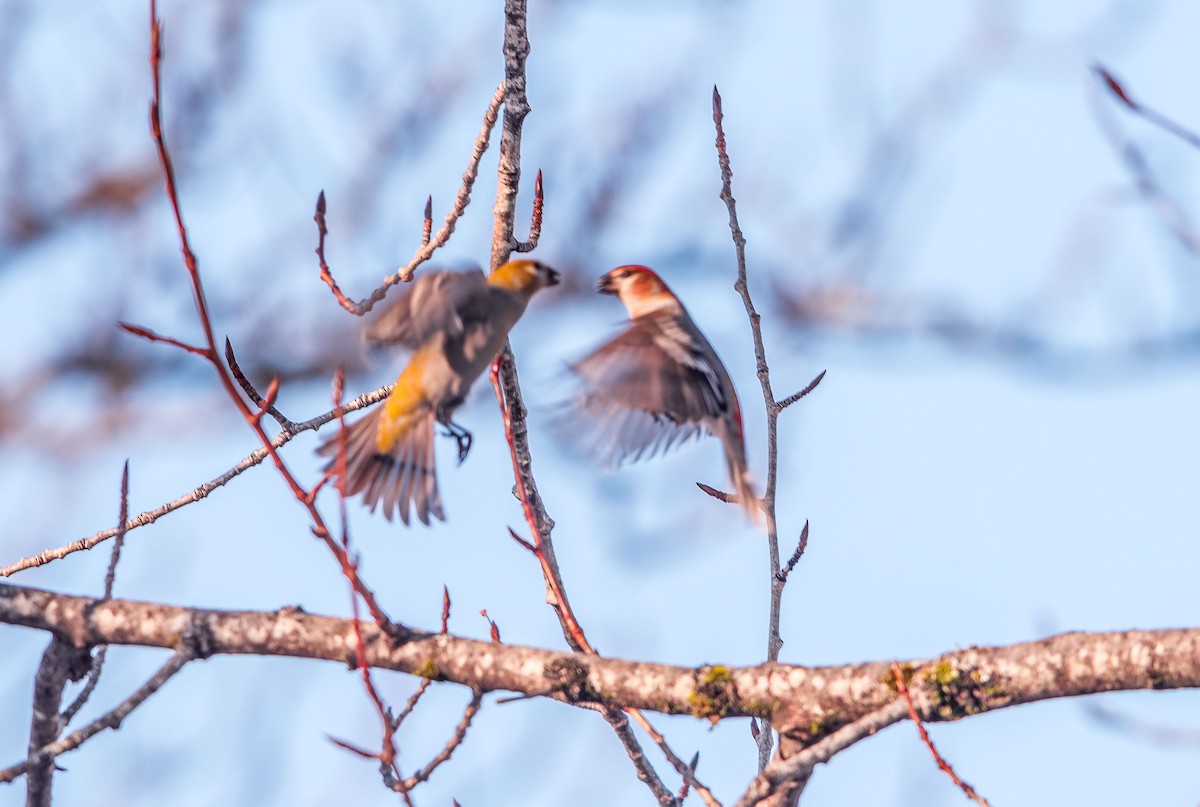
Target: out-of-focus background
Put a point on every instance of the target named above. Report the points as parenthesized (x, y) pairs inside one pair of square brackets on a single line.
[(994, 261)]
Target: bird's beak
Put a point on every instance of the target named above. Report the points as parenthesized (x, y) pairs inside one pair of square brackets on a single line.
[(605, 285), (552, 277)]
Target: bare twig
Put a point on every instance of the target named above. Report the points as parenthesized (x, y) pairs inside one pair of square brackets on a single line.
[(791, 399), (460, 733), (445, 610), (902, 688), (253, 418), (783, 779), (1158, 200), (764, 739), (427, 227), (252, 393), (795, 558), (198, 493), (535, 224), (411, 704), (645, 771), (150, 335), (683, 790), (110, 578), (493, 628), (387, 744), (428, 245), (508, 389), (1152, 115), (44, 755)]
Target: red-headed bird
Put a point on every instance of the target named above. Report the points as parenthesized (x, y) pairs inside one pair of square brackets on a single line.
[(455, 324), (659, 382)]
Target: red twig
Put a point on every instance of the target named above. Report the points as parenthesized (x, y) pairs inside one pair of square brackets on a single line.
[(445, 610), (387, 746), (1152, 115), (495, 629), (351, 747), (572, 628), (902, 688), (522, 541), (429, 243), (146, 333), (326, 275), (209, 350), (535, 224), (427, 229)]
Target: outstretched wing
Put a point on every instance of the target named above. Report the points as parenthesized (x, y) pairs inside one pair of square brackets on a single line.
[(437, 302), (647, 389)]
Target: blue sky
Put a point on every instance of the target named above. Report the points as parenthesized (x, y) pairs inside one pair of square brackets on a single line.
[(958, 495)]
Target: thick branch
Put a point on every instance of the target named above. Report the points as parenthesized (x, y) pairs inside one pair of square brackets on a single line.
[(798, 700)]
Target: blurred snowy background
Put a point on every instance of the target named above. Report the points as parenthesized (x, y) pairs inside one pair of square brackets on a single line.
[(938, 214)]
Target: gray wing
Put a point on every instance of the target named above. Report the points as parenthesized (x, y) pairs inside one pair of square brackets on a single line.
[(646, 390), (436, 302)]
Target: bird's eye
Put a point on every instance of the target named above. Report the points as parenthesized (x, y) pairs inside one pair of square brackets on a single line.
[(625, 273)]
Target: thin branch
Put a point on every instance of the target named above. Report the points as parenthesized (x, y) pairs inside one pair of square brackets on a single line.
[(765, 738), (535, 224), (793, 772), (150, 335), (251, 392), (460, 733), (196, 494), (427, 227), (428, 245), (791, 399), (1159, 202), (46, 754), (902, 688), (110, 579), (504, 370), (253, 418), (493, 628), (542, 548), (1150, 114), (445, 610), (645, 771), (795, 558), (411, 704), (683, 790)]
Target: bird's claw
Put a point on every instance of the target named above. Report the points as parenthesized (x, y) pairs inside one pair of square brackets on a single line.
[(462, 438)]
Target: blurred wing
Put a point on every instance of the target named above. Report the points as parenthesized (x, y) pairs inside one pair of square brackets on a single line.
[(646, 390), (437, 302)]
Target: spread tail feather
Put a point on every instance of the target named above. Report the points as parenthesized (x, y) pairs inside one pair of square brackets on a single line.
[(402, 476)]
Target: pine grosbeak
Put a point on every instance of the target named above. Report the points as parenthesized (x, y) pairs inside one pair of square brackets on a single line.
[(455, 324), (659, 383)]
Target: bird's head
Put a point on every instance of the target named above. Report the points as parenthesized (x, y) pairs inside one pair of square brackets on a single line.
[(642, 291), (523, 276)]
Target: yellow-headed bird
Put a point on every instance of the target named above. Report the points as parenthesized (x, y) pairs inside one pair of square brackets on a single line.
[(455, 324)]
